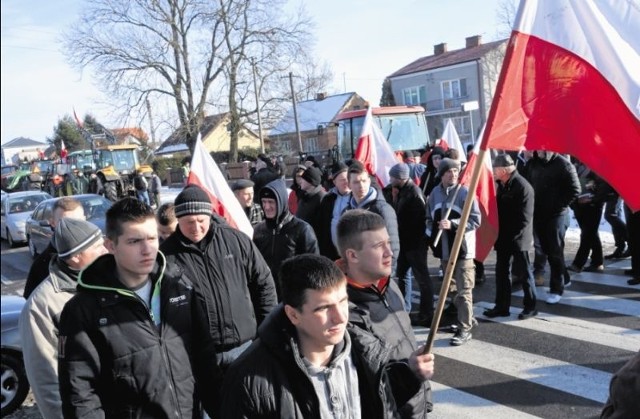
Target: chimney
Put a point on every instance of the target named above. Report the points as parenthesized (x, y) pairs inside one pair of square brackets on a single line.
[(440, 48), (474, 41), (321, 96)]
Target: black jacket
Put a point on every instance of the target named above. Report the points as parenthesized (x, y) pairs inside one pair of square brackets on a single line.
[(411, 213), (260, 179), (269, 380), (39, 270), (113, 360), (515, 200), (309, 205), (323, 233), (231, 276), (285, 236), (555, 184), (381, 313)]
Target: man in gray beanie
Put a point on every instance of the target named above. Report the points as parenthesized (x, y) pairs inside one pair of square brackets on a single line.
[(78, 243), (227, 270), (407, 200)]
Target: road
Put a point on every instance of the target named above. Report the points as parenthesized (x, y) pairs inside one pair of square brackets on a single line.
[(557, 365)]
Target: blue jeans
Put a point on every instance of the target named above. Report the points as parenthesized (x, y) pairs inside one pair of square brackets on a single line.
[(143, 196)]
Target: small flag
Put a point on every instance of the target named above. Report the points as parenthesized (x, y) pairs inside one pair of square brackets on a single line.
[(374, 151)]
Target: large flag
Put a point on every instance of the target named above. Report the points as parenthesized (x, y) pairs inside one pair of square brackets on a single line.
[(78, 122), (570, 83), (206, 174), (374, 151), (487, 233), (450, 136)]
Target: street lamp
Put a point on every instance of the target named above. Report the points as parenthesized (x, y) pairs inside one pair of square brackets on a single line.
[(468, 107)]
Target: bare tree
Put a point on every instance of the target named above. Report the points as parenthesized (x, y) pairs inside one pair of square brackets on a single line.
[(505, 16), (181, 55)]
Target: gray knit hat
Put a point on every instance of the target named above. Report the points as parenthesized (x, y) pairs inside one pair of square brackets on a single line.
[(400, 171), (447, 164), (193, 200), (73, 236)]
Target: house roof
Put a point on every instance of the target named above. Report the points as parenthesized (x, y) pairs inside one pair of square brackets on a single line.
[(447, 58), (138, 133), (311, 113), (177, 141), (23, 142)]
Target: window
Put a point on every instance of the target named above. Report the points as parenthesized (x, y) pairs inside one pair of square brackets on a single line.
[(453, 91), (285, 146), (416, 95), (462, 125), (311, 144)]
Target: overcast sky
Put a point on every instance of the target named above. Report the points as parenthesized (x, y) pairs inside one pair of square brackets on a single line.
[(363, 41)]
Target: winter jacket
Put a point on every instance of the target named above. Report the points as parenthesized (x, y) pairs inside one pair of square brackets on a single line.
[(39, 324), (114, 361), (374, 202), (555, 184), (231, 276), (308, 206), (410, 211), (328, 216), (260, 179), (515, 200), (440, 200), (285, 236), (380, 312), (39, 270), (270, 380)]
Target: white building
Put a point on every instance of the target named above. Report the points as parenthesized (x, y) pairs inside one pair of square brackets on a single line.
[(20, 148)]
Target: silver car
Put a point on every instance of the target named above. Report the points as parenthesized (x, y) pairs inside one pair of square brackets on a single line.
[(15, 385), (15, 208), (38, 228)]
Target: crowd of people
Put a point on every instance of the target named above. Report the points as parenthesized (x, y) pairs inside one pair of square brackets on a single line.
[(176, 314)]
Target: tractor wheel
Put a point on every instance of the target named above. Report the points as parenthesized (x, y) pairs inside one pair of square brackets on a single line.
[(111, 191)]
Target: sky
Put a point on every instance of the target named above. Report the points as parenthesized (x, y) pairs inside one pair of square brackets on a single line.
[(362, 40)]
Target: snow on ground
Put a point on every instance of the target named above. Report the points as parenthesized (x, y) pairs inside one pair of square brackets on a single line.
[(573, 233)]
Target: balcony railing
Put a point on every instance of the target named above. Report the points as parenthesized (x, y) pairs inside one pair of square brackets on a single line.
[(445, 104)]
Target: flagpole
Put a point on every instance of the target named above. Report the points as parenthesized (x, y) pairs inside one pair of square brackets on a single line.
[(455, 250)]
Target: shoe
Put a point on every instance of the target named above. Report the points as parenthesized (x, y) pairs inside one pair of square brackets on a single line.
[(634, 281), (539, 280), (574, 268), (594, 268), (554, 299), (492, 313), (527, 314), (626, 254), (617, 254), (568, 284), (421, 320), (460, 338)]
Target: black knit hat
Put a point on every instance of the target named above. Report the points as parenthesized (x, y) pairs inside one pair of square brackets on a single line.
[(399, 171), (192, 201), (313, 175), (73, 236), (338, 168)]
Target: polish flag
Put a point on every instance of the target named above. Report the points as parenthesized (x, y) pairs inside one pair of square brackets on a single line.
[(487, 233), (374, 151), (206, 174), (63, 152), (78, 122), (451, 138), (570, 83)]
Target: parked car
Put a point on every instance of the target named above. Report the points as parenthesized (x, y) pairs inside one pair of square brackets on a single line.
[(15, 208), (39, 232), (15, 385)]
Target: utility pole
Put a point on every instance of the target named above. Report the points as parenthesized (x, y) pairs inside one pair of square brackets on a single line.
[(255, 86), (153, 134), (295, 113)]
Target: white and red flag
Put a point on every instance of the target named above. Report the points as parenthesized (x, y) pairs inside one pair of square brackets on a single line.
[(206, 174), (451, 138), (570, 83), (487, 233), (63, 152), (374, 151)]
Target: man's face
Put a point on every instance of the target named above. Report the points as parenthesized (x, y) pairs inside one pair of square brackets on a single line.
[(165, 231), (304, 185), (341, 183), (59, 214), (322, 320), (86, 258), (270, 207), (135, 250), (450, 177), (245, 196), (359, 184), (194, 227), (499, 174), (374, 260), (396, 182)]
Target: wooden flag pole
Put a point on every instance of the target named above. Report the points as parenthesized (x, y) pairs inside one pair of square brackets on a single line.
[(455, 251), (446, 215)]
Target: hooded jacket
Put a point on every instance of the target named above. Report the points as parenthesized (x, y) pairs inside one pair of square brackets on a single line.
[(270, 380), (285, 236), (331, 208), (231, 277), (114, 361), (410, 211), (309, 204)]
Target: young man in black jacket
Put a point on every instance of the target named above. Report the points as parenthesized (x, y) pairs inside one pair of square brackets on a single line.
[(134, 338), (304, 364)]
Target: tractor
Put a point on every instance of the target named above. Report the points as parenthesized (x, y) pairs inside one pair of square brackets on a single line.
[(117, 165)]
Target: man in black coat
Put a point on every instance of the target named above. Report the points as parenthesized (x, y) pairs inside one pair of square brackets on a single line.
[(515, 238), (334, 203), (281, 235), (310, 197)]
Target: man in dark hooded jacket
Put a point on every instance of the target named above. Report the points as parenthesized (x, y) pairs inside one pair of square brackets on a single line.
[(312, 194), (282, 235)]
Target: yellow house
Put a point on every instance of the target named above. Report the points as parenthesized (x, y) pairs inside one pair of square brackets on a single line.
[(215, 137)]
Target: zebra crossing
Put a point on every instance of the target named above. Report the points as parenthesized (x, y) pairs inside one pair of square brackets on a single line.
[(557, 365)]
